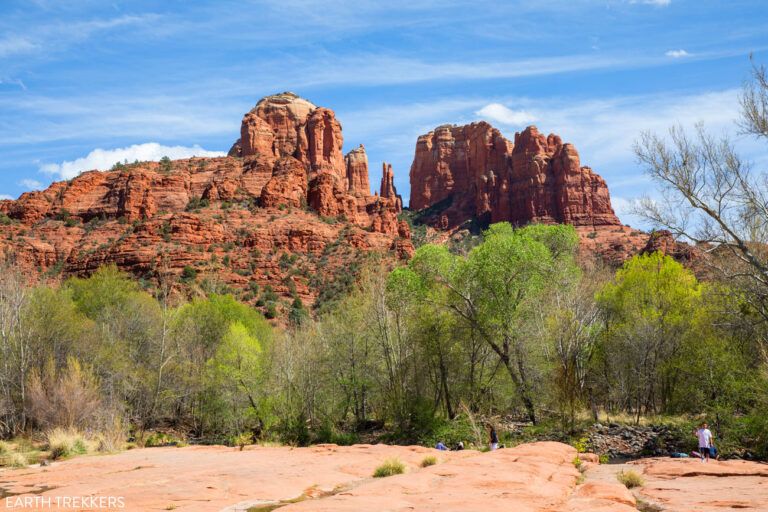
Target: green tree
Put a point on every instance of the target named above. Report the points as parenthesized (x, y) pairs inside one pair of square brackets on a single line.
[(233, 383), (129, 333), (199, 329), (648, 309), (494, 289)]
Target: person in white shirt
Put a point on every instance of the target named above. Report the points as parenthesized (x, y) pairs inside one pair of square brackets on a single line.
[(704, 435)]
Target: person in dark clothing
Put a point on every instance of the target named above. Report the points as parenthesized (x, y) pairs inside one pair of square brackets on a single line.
[(494, 438)]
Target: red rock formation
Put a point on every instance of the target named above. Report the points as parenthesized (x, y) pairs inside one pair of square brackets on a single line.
[(276, 126), (201, 214), (285, 125), (663, 241), (324, 144), (230, 218), (288, 185), (387, 189), (356, 163), (484, 176)]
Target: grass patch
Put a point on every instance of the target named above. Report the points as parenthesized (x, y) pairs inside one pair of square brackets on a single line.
[(389, 468), (5, 448), (630, 479), (157, 439), (15, 460), (429, 460), (64, 443)]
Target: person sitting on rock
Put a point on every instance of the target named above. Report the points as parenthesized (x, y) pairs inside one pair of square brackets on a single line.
[(494, 438), (459, 446), (704, 435), (441, 446)]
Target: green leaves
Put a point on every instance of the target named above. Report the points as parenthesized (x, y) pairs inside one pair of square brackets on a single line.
[(492, 291), (654, 288)]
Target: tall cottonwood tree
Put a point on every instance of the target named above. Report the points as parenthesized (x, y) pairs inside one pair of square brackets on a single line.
[(713, 197), (494, 288), (649, 309)]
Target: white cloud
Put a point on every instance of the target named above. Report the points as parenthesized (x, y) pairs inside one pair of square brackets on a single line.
[(103, 159), (31, 184), (16, 45), (504, 115), (676, 54), (5, 196), (659, 3)]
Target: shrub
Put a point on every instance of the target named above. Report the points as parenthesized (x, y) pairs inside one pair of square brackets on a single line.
[(165, 165), (242, 440), (196, 203), (67, 398), (328, 433), (188, 275), (294, 431), (162, 439), (389, 468), (429, 460), (630, 479), (16, 460), (5, 448), (112, 437), (581, 444), (64, 443), (463, 428)]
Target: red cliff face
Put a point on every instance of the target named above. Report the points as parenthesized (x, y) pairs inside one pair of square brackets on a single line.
[(485, 176), (285, 190)]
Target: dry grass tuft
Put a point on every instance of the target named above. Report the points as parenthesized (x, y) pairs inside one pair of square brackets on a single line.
[(389, 468), (64, 443), (630, 479), (429, 460)]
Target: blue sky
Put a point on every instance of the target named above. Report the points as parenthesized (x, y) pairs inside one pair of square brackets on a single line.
[(85, 83)]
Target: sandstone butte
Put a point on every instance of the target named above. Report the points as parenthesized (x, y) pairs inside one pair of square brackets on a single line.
[(288, 213), (285, 210), (472, 174)]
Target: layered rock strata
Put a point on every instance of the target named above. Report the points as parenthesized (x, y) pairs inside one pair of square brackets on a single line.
[(473, 171)]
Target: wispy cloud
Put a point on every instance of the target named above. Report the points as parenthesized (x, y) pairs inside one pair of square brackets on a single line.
[(504, 115), (676, 54), (32, 118), (103, 159), (13, 81), (658, 3), (14, 45), (5, 196), (46, 38), (30, 184)]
